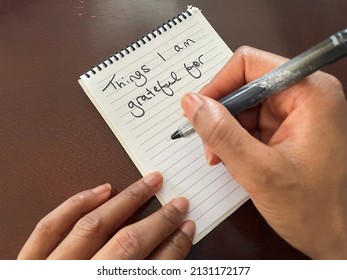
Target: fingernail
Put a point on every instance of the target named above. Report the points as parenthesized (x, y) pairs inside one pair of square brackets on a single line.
[(154, 179), (208, 155), (191, 103), (209, 159), (102, 189), (181, 204), (188, 227)]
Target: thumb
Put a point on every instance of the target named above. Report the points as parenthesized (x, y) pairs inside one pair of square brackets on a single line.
[(243, 155)]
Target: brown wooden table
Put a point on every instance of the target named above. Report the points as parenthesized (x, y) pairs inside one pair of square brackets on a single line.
[(54, 143)]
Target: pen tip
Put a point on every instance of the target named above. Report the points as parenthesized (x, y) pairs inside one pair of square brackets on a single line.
[(175, 135)]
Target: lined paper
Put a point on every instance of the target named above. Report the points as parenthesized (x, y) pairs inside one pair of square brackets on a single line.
[(138, 93)]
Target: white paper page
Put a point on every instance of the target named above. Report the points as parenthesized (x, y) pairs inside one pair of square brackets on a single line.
[(139, 97)]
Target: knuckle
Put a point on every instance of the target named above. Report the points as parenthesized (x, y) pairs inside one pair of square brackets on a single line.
[(271, 174), (333, 81), (90, 226), (335, 87), (170, 216), (252, 57), (244, 51), (324, 80), (44, 227), (180, 245), (216, 124), (133, 194), (329, 87), (129, 243), (217, 133), (268, 176), (77, 200)]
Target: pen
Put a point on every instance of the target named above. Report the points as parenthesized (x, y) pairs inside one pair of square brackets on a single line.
[(294, 70)]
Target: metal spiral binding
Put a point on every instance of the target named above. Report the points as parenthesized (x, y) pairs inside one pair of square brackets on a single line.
[(138, 43)]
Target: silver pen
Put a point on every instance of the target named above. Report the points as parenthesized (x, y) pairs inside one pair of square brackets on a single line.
[(294, 70)]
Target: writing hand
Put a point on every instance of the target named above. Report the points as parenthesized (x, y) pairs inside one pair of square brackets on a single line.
[(83, 227), (289, 153)]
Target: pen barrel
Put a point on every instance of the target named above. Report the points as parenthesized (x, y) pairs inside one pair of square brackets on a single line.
[(292, 71), (326, 52)]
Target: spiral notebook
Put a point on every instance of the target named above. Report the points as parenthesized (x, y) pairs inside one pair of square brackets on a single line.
[(138, 90)]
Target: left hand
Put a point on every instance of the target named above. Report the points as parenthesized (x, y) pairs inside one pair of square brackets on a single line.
[(84, 226)]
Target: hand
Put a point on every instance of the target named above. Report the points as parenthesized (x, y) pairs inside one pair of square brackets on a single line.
[(82, 227), (289, 153)]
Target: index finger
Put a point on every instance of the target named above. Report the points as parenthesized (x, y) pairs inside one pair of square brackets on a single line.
[(51, 229), (138, 240), (92, 230), (246, 65)]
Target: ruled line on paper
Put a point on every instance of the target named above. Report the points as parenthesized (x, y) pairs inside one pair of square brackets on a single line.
[(181, 158), (168, 147), (200, 179), (180, 170), (156, 144), (217, 203), (210, 197), (159, 152), (197, 181), (154, 125), (193, 173)]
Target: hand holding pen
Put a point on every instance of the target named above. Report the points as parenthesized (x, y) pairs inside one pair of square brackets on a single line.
[(327, 51), (289, 152)]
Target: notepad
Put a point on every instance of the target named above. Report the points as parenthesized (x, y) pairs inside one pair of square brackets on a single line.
[(138, 90)]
